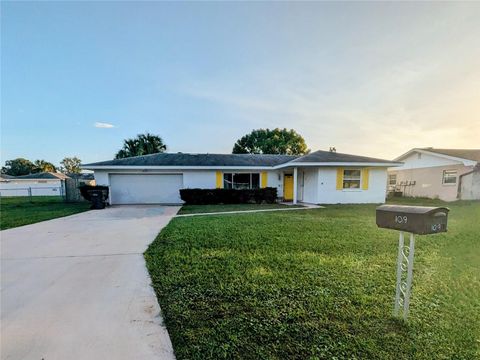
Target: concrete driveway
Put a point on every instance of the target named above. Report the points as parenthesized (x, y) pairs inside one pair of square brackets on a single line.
[(77, 287)]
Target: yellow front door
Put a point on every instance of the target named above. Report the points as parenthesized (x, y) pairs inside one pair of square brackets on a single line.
[(288, 187)]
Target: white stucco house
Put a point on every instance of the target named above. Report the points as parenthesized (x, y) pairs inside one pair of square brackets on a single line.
[(447, 174), (321, 177)]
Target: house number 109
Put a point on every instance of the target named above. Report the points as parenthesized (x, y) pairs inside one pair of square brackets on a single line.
[(401, 219)]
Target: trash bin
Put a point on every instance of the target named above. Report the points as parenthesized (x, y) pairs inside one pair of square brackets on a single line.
[(98, 199)]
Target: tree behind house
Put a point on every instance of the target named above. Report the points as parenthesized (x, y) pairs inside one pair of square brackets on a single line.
[(71, 165), (143, 144), (18, 167), (276, 141), (44, 166)]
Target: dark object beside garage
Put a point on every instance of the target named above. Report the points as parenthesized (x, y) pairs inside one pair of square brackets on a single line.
[(98, 198), (413, 219)]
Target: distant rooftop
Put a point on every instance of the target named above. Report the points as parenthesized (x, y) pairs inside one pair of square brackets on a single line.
[(81, 176), (41, 176)]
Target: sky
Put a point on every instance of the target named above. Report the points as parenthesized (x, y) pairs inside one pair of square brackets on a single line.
[(373, 79)]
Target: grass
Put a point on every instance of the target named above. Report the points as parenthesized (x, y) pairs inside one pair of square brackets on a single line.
[(195, 209), (316, 284), (18, 211)]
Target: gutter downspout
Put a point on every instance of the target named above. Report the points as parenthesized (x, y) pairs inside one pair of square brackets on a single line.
[(295, 184)]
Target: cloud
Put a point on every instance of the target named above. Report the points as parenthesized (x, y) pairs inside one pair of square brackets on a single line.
[(390, 109), (102, 125)]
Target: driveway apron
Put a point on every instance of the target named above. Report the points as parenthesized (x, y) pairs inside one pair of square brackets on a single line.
[(77, 287)]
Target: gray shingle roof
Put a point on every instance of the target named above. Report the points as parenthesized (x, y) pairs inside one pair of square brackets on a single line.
[(182, 159), (251, 160), (81, 176), (334, 157), (43, 176)]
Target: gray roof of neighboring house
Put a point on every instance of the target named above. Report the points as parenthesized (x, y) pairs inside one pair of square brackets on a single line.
[(267, 160), (321, 156), (6, 176), (43, 176), (182, 159), (81, 176), (469, 154)]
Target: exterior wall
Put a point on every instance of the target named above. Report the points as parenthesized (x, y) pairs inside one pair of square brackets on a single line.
[(427, 182), (199, 179), (101, 178), (328, 193), (470, 186), (275, 180), (34, 187), (423, 160)]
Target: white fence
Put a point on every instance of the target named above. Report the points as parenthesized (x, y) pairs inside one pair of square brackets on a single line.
[(32, 191)]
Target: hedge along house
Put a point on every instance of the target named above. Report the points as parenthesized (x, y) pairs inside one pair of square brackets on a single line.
[(321, 177)]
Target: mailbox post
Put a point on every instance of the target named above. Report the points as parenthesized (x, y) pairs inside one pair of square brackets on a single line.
[(419, 220)]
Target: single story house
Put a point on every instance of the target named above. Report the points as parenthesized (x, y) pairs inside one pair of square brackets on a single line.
[(38, 184), (447, 174), (321, 177)]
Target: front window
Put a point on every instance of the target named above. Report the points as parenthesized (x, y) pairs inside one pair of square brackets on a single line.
[(351, 179), (241, 180), (449, 177), (392, 179)]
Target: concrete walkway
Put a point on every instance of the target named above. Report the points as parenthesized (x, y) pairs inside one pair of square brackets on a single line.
[(77, 287), (304, 207)]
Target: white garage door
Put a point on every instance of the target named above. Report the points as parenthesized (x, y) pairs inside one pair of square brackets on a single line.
[(145, 188)]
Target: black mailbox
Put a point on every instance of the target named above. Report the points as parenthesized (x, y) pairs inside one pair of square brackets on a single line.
[(413, 219)]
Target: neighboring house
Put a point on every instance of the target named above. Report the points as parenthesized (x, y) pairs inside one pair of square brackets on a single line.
[(39, 184), (321, 177), (447, 174)]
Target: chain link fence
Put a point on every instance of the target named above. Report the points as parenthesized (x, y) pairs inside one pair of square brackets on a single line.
[(32, 191)]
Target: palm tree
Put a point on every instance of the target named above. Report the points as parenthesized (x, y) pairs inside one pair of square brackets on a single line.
[(143, 144), (44, 166), (151, 144)]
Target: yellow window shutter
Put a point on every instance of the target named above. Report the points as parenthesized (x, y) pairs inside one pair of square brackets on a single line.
[(339, 178), (264, 178), (365, 175), (219, 180)]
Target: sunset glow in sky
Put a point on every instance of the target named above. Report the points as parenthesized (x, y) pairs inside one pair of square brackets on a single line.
[(372, 79)]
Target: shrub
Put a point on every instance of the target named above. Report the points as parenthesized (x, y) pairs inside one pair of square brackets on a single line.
[(228, 196), (84, 190)]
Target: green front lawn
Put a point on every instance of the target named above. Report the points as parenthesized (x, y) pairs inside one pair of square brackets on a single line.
[(18, 211), (316, 284), (195, 209)]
